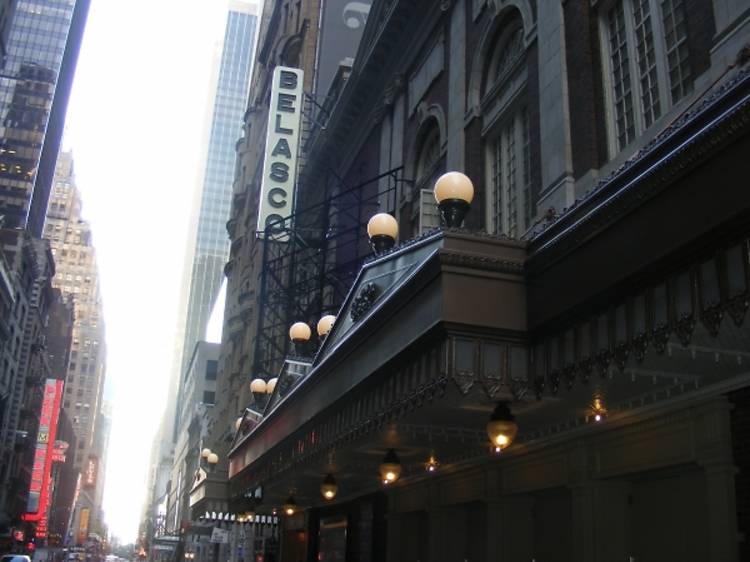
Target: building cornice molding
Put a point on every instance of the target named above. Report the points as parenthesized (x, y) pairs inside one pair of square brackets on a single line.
[(721, 118)]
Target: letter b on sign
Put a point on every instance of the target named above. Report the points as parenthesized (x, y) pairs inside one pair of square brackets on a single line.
[(288, 80)]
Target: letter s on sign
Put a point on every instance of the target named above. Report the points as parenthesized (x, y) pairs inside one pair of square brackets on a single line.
[(279, 172)]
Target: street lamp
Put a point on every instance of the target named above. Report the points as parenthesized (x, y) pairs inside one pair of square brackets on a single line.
[(383, 231), (290, 506), (271, 385), (325, 324), (390, 468), (454, 193), (598, 410), (258, 388), (300, 334), (432, 464), (502, 427), (329, 488)]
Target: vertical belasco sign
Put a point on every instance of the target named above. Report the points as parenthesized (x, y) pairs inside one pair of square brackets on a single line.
[(280, 163)]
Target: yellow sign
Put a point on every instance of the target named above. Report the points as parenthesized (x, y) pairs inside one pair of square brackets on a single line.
[(83, 525)]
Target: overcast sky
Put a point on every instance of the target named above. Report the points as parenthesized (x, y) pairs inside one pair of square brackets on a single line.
[(134, 125)]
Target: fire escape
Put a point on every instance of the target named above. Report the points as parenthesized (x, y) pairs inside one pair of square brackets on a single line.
[(311, 258)]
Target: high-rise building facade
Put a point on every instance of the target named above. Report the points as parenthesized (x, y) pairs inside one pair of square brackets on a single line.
[(42, 51), (7, 7), (208, 248), (36, 340), (77, 277), (211, 243)]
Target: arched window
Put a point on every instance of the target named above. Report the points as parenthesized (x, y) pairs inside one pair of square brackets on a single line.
[(511, 52), (507, 144)]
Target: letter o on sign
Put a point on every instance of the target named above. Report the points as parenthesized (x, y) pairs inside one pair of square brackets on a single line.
[(275, 223)]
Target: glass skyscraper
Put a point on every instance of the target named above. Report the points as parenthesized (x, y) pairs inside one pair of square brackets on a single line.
[(35, 84), (229, 104)]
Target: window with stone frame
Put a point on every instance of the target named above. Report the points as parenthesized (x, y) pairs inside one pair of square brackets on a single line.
[(428, 156), (508, 150), (428, 168), (646, 63)]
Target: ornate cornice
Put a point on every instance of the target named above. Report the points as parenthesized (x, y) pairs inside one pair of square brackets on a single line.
[(486, 263), (392, 399)]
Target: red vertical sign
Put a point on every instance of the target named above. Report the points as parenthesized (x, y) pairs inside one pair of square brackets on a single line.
[(39, 489)]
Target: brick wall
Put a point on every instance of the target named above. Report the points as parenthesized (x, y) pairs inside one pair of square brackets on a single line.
[(587, 130)]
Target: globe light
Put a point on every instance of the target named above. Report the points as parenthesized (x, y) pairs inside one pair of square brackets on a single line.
[(205, 453), (213, 459), (454, 193), (382, 229), (258, 386), (432, 464), (325, 324), (329, 488), (598, 409), (290, 506), (271, 385), (390, 468), (502, 427), (299, 332)]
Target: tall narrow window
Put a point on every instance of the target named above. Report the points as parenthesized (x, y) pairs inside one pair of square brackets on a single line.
[(508, 142), (511, 177), (644, 38), (428, 168), (649, 63), (675, 38), (621, 88)]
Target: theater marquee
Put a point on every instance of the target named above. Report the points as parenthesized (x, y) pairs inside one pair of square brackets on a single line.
[(282, 140)]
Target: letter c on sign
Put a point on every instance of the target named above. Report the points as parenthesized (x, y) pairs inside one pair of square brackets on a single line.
[(277, 197)]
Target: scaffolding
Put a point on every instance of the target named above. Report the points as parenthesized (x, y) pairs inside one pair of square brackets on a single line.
[(311, 258)]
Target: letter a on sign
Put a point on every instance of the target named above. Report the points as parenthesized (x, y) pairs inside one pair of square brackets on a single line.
[(280, 164)]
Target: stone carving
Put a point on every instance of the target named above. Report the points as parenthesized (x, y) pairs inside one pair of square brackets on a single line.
[(660, 337), (711, 318), (368, 294), (683, 329), (737, 308)]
